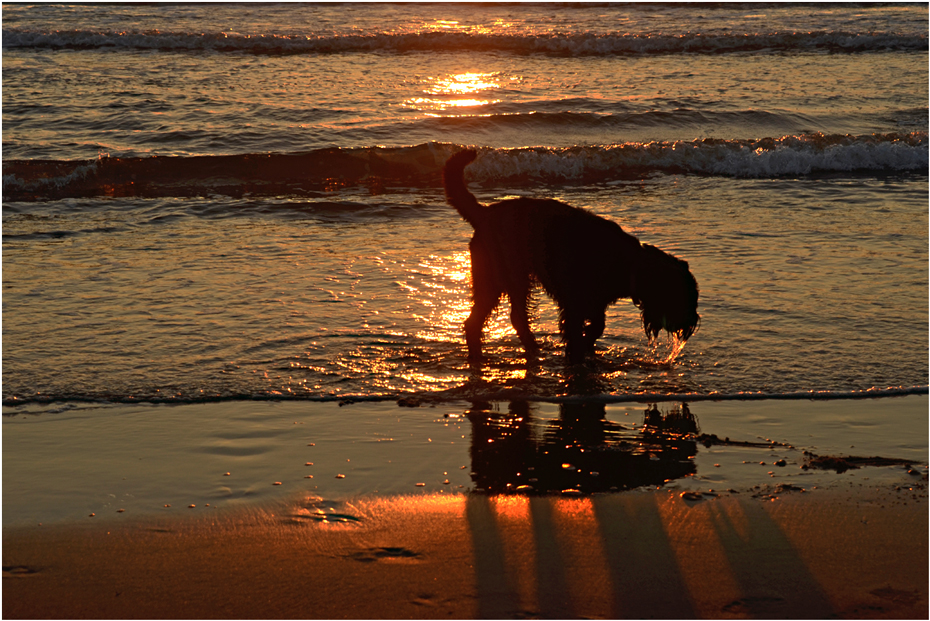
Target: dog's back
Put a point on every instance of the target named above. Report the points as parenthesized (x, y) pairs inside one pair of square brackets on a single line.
[(563, 248)]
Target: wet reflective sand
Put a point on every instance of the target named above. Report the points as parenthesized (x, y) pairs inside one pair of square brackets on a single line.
[(464, 510), (63, 462)]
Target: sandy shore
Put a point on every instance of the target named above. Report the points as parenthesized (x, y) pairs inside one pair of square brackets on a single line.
[(305, 510), (854, 554)]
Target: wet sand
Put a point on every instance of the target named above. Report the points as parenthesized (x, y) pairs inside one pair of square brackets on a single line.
[(851, 554), (309, 510), (62, 462)]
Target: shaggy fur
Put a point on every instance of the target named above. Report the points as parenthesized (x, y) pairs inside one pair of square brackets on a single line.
[(584, 262)]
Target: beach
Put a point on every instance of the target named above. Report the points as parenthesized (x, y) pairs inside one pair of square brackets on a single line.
[(410, 533), (858, 554), (236, 382)]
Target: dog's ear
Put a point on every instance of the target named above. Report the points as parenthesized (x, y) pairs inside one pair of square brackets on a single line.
[(666, 294)]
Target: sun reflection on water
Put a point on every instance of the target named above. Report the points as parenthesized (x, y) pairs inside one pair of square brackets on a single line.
[(445, 290), (465, 83), (498, 26), (416, 343), (460, 90)]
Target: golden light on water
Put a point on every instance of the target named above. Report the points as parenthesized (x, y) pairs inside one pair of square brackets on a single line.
[(497, 26), (512, 507), (672, 344), (465, 83), (679, 344), (446, 293), (460, 90), (445, 104)]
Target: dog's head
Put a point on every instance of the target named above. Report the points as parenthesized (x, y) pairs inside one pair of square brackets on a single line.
[(666, 294)]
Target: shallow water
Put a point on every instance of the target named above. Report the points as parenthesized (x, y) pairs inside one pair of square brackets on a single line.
[(806, 285)]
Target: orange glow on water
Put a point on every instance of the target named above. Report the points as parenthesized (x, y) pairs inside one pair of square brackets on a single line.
[(451, 25), (578, 509), (445, 104), (446, 293), (460, 90), (451, 505), (465, 83)]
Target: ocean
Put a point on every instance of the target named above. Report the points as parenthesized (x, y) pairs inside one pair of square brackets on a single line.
[(237, 203), (244, 201)]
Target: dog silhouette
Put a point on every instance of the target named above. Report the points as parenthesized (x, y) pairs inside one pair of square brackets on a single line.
[(583, 261)]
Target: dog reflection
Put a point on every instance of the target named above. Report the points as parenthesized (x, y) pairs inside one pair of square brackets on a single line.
[(581, 452)]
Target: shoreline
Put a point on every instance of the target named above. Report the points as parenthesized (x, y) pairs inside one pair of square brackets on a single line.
[(456, 395), (853, 554)]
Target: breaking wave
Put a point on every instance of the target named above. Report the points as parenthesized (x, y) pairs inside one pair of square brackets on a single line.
[(583, 44), (323, 171)]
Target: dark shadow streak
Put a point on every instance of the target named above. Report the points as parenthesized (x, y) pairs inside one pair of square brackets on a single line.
[(497, 597), (641, 562), (766, 557), (553, 597)]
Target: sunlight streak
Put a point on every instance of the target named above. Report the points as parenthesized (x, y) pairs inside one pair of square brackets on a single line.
[(465, 83), (445, 292), (460, 90)]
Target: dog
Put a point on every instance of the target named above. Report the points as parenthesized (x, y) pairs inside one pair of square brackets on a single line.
[(583, 261)]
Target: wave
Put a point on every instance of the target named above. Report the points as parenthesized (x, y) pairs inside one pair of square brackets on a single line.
[(584, 44), (419, 398), (767, 157), (324, 171), (521, 117)]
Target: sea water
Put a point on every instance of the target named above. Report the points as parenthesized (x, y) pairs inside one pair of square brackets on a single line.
[(243, 202), (247, 202)]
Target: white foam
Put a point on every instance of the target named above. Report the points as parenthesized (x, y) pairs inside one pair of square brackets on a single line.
[(789, 155), (79, 173)]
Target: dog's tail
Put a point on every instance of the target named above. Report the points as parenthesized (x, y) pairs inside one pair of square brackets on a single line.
[(453, 179)]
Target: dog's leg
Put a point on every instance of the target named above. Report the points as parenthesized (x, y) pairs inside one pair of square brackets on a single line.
[(594, 329), (519, 317), (485, 296), (571, 325), (481, 309)]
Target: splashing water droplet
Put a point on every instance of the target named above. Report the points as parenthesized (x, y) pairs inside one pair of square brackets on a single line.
[(677, 346), (665, 352)]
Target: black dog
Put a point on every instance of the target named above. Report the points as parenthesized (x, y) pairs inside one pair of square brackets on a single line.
[(586, 263)]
